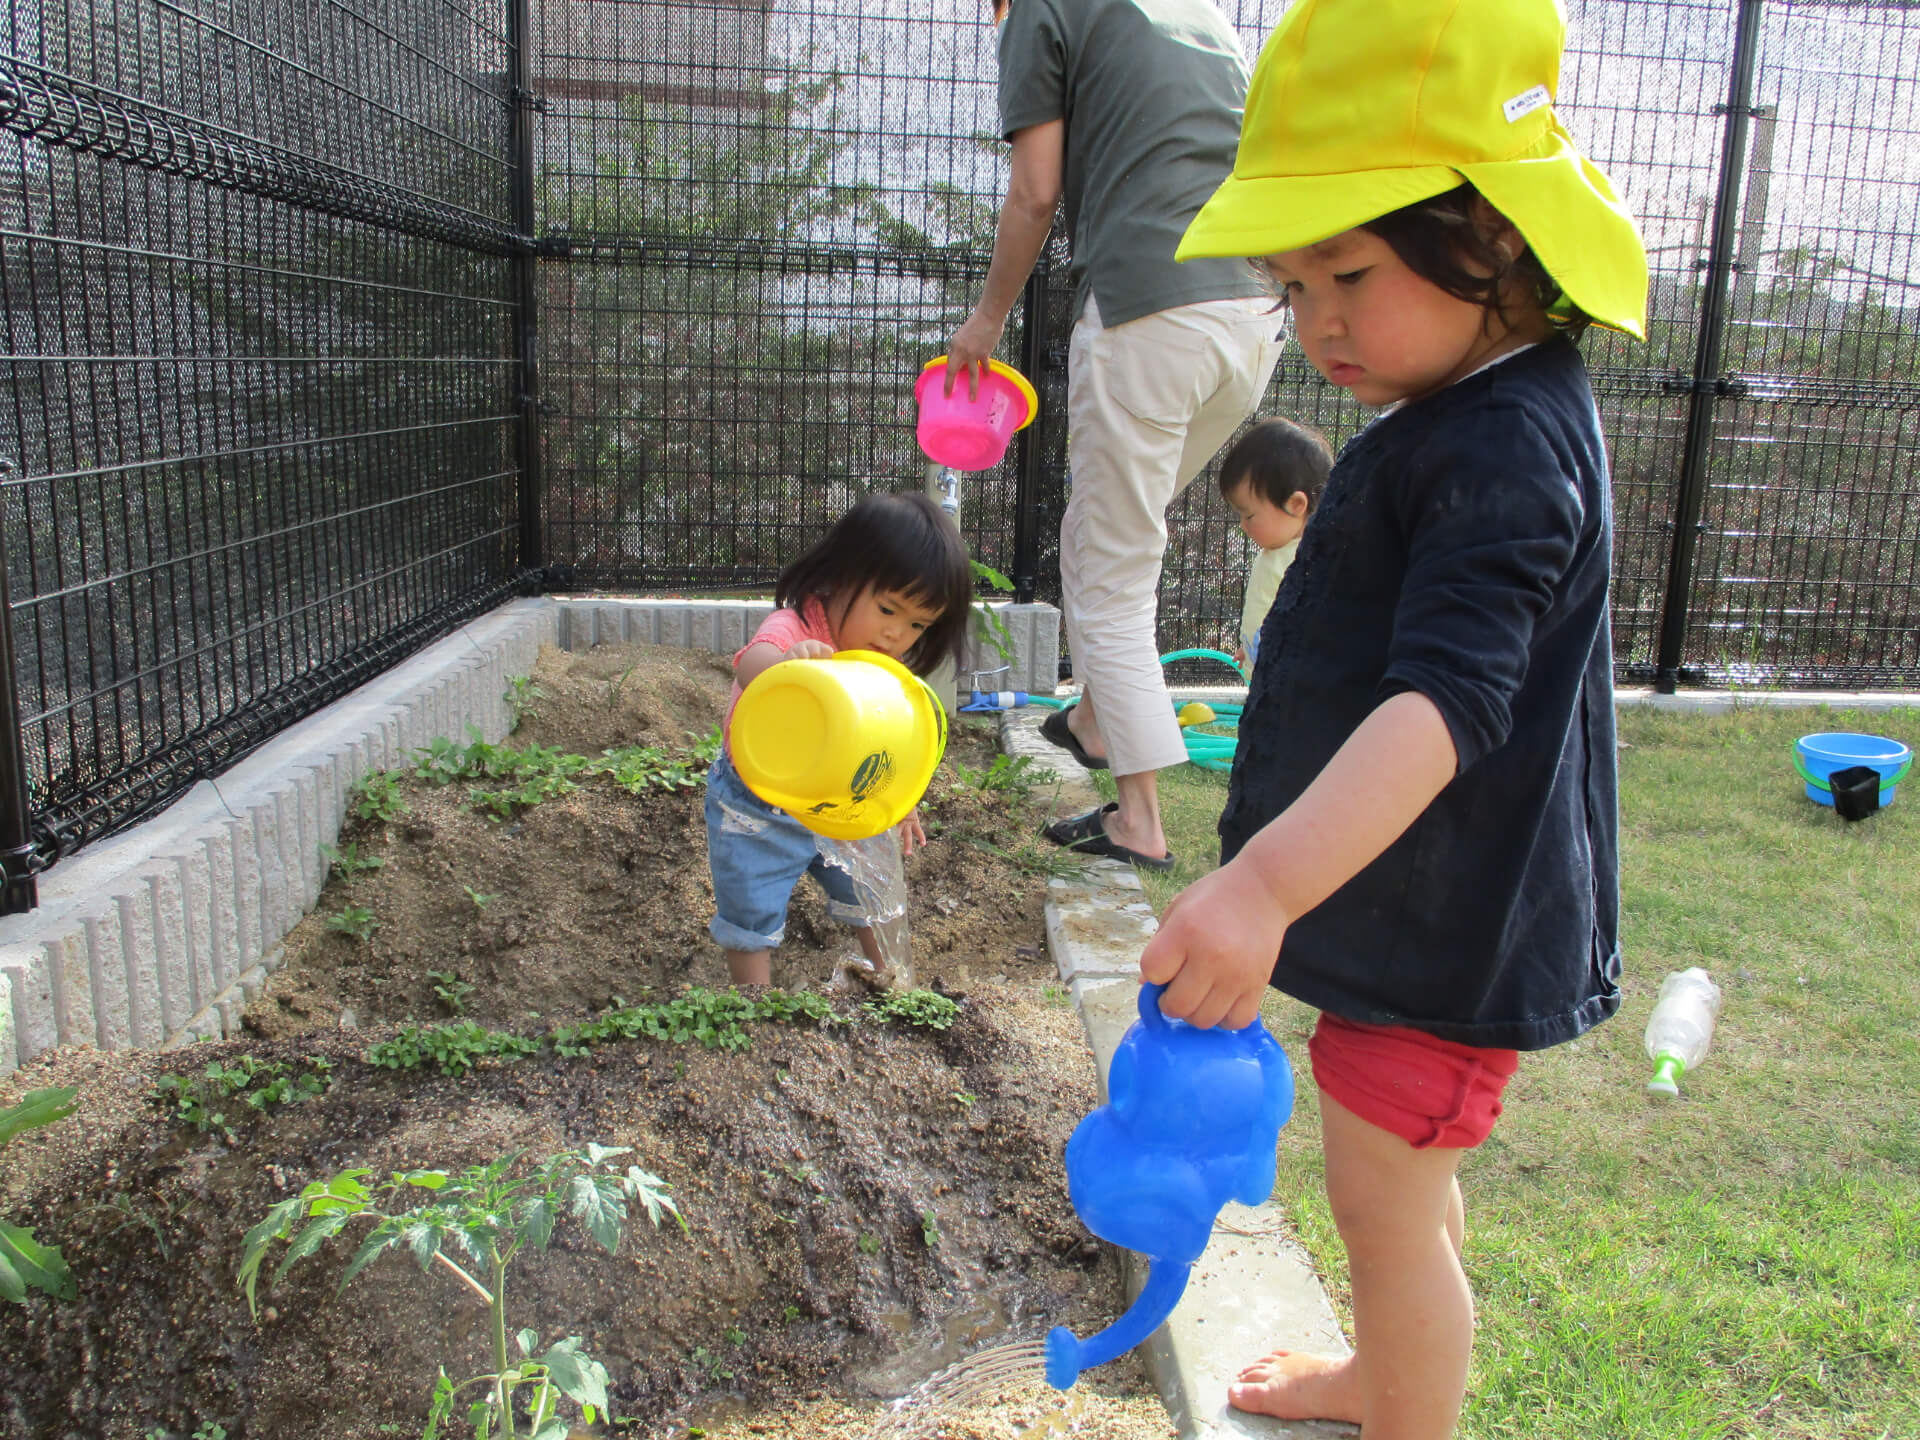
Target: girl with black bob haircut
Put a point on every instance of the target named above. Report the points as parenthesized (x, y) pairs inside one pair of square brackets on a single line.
[(903, 545), (891, 576)]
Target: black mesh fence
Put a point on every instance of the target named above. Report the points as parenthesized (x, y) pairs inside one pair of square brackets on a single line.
[(259, 391), (780, 208), (1809, 527), (269, 281), (775, 214)]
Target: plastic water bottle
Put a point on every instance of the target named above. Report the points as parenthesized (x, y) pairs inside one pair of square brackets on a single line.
[(1681, 1027)]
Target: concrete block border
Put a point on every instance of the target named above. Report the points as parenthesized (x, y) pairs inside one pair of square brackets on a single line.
[(1032, 633)]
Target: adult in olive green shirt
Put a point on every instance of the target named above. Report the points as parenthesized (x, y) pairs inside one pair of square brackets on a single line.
[(1130, 109)]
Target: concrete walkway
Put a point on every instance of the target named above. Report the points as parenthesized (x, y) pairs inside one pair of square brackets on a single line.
[(1255, 1289)]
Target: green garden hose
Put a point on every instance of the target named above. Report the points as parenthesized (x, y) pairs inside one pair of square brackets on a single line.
[(1210, 745)]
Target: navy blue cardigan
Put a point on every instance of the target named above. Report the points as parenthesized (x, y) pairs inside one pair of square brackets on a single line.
[(1461, 550)]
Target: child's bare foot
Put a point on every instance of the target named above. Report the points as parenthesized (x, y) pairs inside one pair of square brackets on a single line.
[(855, 972), (1290, 1385)]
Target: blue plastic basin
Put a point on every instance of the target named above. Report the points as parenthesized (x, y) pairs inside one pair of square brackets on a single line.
[(1818, 756)]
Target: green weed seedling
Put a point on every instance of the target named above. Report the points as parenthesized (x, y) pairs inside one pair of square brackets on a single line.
[(532, 790), (479, 898), (488, 1218), (519, 696), (706, 749), (205, 1430), (713, 1366), (514, 779), (964, 1099), (715, 1019), (443, 761), (354, 921), (1036, 858), (348, 861), (930, 1229), (131, 1215), (639, 768), (26, 1264), (988, 628), (618, 683), (1055, 993), (453, 1049), (452, 990), (201, 1102), (923, 1009), (1008, 774), (869, 1244), (377, 796)]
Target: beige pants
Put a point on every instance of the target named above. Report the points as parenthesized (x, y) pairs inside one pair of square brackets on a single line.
[(1148, 404)]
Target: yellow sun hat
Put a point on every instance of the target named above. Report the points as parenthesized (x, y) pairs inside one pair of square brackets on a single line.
[(1361, 107)]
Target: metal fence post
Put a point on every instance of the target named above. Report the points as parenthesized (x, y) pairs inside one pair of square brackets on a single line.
[(19, 891), (1708, 384), (524, 104), (1026, 494)]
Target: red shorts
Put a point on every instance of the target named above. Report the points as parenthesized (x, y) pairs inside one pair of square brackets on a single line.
[(1428, 1091)]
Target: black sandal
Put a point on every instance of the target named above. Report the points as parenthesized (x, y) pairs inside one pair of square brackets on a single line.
[(1056, 729), (1087, 835)]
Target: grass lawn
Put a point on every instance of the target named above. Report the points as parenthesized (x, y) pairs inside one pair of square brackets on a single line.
[(1743, 1261)]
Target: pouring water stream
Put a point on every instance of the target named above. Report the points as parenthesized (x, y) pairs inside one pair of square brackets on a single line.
[(879, 879)]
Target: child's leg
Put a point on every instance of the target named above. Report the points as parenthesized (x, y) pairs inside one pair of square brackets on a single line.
[(1398, 1212), (755, 854), (749, 967), (870, 947), (1397, 1107)]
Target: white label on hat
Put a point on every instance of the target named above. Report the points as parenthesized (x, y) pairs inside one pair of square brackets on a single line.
[(1526, 102)]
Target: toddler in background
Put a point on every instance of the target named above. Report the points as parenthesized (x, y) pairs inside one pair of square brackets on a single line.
[(891, 575), (1272, 478)]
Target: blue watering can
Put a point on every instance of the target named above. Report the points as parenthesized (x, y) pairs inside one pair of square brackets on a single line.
[(1190, 1123)]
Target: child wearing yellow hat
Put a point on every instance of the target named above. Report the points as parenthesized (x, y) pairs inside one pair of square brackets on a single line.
[(1420, 838)]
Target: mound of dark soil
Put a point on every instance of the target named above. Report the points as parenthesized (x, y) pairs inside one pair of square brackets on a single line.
[(847, 1192), (866, 1203)]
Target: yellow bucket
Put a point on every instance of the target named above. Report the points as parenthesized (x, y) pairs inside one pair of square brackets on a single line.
[(846, 746)]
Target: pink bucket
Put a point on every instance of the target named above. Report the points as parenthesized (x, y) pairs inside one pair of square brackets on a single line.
[(971, 434)]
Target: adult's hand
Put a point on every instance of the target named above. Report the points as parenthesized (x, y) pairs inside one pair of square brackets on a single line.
[(967, 353), (1026, 217), (1215, 949)]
